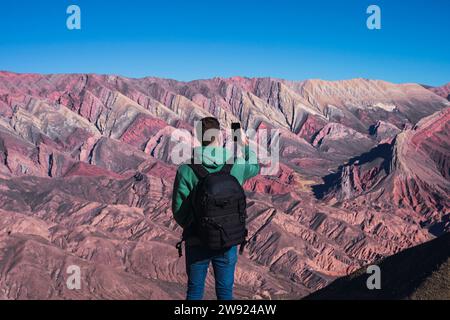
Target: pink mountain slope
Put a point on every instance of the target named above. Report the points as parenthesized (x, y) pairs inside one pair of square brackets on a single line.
[(409, 176), (363, 175), (443, 91)]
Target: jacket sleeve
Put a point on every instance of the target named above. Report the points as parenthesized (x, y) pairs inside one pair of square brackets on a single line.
[(251, 166), (181, 205)]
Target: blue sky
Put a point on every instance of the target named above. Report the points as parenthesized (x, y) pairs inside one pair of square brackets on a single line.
[(186, 40)]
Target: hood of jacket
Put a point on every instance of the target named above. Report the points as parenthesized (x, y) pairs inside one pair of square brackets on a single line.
[(211, 157)]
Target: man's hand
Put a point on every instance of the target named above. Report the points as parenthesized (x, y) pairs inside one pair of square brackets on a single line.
[(242, 138)]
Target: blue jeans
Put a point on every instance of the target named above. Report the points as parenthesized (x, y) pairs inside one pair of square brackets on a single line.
[(198, 258)]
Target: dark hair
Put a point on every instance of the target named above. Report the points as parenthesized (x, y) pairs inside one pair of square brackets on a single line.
[(207, 124)]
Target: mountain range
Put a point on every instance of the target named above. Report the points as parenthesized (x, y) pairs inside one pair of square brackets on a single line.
[(364, 174)]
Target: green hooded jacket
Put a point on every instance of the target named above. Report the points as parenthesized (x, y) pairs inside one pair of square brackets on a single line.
[(213, 159)]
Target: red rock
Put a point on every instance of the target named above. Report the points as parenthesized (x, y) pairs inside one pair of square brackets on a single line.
[(84, 169)]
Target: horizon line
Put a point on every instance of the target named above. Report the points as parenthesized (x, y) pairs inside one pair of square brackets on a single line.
[(215, 77)]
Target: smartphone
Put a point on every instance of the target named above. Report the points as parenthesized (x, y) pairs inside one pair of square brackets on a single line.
[(236, 126)]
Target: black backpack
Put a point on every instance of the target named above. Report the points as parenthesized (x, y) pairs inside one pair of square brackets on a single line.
[(219, 205)]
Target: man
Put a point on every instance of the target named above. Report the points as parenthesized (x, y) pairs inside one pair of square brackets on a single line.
[(213, 157)]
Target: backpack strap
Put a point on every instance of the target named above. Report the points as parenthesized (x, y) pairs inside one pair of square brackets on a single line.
[(179, 247), (243, 243), (226, 168), (199, 170)]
